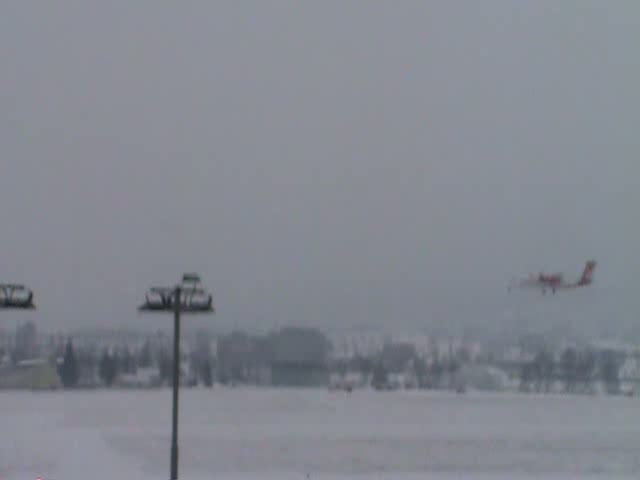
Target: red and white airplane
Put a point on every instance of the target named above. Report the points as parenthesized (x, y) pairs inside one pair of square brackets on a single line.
[(555, 281)]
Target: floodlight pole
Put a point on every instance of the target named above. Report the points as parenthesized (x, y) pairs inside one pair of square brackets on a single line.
[(170, 300), (8, 301), (176, 383)]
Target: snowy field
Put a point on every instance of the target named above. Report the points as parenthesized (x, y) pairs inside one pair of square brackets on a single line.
[(285, 434)]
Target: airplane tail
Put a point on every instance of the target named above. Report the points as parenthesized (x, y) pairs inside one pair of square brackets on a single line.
[(587, 274)]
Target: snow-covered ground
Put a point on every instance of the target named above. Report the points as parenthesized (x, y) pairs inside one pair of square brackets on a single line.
[(287, 434)]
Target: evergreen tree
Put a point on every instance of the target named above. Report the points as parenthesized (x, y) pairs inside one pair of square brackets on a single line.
[(365, 365), (463, 356), (380, 376), (527, 376), (144, 359), (127, 364), (165, 366), (543, 370), (586, 369), (69, 371), (420, 369), (453, 365), (569, 363), (108, 368), (104, 367), (207, 377), (436, 371), (610, 370)]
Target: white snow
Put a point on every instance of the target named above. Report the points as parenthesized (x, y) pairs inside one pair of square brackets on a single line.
[(247, 433)]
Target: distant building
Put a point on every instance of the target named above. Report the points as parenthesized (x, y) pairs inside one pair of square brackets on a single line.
[(35, 374), (242, 358), (26, 346), (299, 357)]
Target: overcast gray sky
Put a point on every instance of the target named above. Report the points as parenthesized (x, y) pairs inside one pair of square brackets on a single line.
[(326, 163)]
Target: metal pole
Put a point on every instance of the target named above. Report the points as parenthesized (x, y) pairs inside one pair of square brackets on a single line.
[(176, 384)]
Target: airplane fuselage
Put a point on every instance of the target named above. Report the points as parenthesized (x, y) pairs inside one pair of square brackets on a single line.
[(555, 282)]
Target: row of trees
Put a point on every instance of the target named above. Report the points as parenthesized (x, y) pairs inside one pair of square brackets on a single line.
[(240, 354), (114, 362), (577, 370), (241, 358), (436, 371)]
